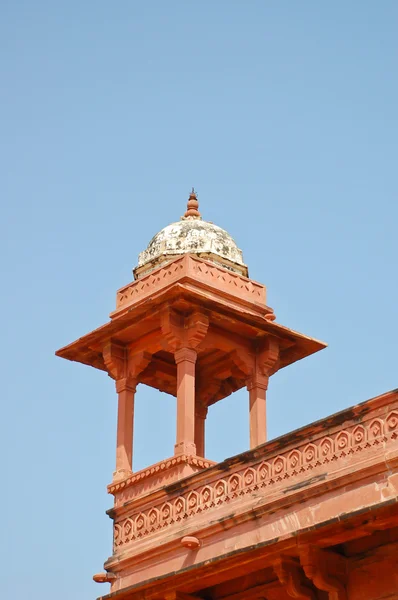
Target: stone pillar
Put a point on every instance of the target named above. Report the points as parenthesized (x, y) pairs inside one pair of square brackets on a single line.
[(257, 387), (200, 421), (125, 422), (185, 359)]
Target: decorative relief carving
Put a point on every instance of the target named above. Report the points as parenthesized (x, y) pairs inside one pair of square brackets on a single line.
[(179, 509), (376, 430), (166, 514), (235, 282), (202, 271), (326, 450), (117, 535), (153, 519), (127, 531), (220, 492), (246, 480), (206, 496), (234, 485), (279, 468), (392, 424), (193, 502), (342, 444), (250, 478), (294, 461), (359, 436), (264, 471), (142, 286)]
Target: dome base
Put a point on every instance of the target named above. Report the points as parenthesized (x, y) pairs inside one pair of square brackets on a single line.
[(191, 235), (164, 259)]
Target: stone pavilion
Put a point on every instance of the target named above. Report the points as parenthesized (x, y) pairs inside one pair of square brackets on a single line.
[(310, 515)]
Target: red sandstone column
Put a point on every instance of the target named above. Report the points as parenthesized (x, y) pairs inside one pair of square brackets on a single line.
[(257, 387), (186, 360), (124, 445), (200, 420)]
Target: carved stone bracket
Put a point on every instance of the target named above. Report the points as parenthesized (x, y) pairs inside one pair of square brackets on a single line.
[(122, 363), (197, 325), (245, 361), (183, 332), (136, 363), (260, 366), (327, 570), (268, 358), (115, 360), (293, 579)]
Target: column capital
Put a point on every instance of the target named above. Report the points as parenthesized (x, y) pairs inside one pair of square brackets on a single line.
[(257, 381), (126, 384), (114, 355), (183, 331), (187, 354)]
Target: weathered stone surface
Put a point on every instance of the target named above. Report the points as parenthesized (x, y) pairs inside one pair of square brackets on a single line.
[(192, 235)]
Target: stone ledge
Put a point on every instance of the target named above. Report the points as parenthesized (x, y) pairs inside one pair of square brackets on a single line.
[(318, 458), (167, 467), (197, 270)]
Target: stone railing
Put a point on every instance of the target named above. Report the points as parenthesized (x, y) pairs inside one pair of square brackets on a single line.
[(326, 451), (195, 269), (227, 281)]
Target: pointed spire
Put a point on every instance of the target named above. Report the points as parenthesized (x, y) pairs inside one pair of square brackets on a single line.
[(192, 206)]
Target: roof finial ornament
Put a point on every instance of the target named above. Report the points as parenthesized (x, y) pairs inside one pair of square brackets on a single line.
[(192, 206)]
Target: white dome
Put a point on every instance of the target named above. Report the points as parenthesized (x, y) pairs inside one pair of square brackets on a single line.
[(191, 235)]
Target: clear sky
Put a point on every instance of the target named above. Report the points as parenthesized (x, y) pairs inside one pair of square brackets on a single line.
[(283, 115)]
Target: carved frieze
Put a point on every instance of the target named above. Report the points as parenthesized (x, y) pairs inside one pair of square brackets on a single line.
[(263, 474), (188, 266)]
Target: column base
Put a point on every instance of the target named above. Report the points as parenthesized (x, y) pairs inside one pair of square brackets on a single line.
[(187, 448), (157, 476), (121, 474)]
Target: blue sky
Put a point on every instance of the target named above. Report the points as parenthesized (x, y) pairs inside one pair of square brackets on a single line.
[(283, 116)]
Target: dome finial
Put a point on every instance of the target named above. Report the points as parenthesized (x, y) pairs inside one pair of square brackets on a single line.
[(192, 206)]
